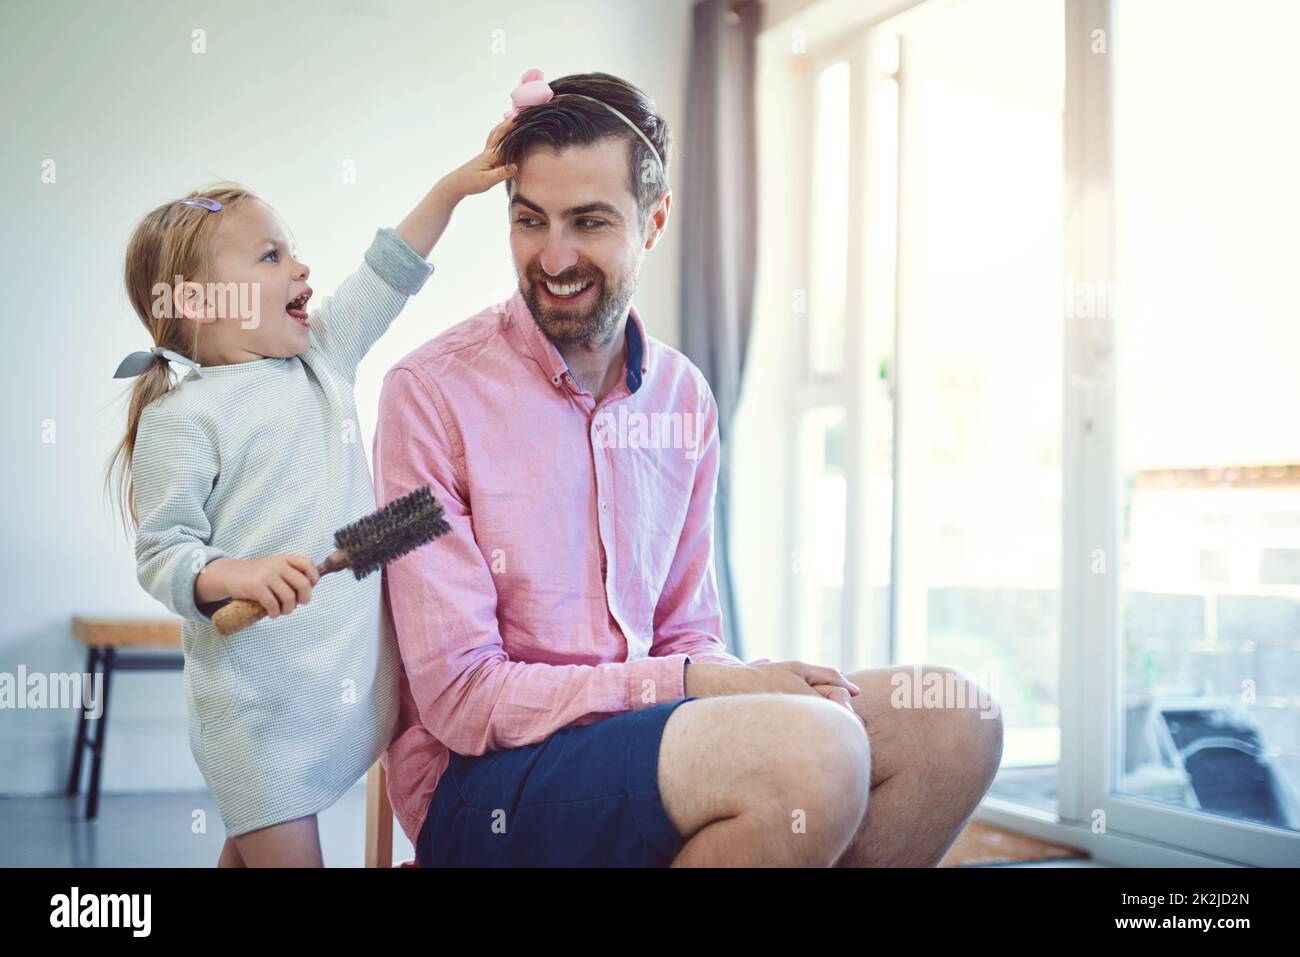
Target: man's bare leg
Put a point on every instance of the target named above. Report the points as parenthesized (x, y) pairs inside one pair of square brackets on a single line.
[(763, 780), (930, 767), (291, 844)]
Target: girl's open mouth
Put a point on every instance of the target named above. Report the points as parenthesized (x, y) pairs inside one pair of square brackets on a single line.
[(567, 293), (297, 308)]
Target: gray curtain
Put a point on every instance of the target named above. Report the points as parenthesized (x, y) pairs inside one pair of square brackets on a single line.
[(719, 196)]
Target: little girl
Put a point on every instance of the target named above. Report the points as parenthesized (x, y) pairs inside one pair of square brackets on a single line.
[(240, 472)]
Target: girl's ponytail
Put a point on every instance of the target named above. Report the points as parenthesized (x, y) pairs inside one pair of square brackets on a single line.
[(149, 386), (171, 244)]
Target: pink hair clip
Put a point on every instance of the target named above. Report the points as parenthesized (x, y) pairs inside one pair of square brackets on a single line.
[(531, 91)]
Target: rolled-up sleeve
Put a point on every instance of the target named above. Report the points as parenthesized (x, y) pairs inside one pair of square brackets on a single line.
[(351, 320), (469, 693)]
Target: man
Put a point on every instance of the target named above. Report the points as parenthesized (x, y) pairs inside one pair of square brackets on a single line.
[(567, 696)]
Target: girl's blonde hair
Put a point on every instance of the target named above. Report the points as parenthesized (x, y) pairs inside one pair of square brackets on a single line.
[(170, 241)]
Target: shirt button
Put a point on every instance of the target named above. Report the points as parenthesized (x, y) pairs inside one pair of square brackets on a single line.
[(604, 506), (555, 380)]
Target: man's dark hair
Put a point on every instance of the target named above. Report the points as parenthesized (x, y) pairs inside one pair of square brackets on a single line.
[(572, 121)]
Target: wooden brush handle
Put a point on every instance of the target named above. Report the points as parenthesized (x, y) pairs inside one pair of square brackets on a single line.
[(240, 613), (237, 616)]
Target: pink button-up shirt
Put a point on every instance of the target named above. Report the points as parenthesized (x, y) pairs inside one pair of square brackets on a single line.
[(577, 577)]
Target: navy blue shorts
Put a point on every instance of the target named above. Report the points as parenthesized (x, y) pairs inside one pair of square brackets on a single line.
[(585, 797)]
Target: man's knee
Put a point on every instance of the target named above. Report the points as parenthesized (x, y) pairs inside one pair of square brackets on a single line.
[(967, 732), (794, 762), (823, 768)]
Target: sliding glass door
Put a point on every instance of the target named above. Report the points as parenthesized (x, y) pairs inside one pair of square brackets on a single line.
[(978, 420), (1200, 696), (1031, 319)]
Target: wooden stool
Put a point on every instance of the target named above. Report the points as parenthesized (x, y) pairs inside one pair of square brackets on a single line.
[(103, 637), (379, 820)]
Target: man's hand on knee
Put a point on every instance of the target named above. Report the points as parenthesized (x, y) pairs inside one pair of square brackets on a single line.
[(780, 677), (837, 694)]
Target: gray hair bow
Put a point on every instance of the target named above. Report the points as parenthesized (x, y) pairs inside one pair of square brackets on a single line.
[(138, 362)]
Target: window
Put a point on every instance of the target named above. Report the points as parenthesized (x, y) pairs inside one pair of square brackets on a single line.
[(1206, 202), (1018, 399)]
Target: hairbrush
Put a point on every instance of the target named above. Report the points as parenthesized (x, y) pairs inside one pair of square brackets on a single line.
[(401, 526)]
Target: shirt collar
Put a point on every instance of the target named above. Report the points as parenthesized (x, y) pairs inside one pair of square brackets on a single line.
[(552, 362)]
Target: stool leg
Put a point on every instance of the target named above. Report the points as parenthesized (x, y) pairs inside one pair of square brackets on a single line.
[(97, 748), (79, 749)]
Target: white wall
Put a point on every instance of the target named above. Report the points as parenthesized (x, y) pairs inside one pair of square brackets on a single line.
[(284, 94)]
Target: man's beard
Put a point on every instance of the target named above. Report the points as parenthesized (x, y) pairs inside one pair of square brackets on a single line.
[(592, 324)]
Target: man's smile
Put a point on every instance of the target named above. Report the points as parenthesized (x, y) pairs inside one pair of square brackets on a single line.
[(565, 294)]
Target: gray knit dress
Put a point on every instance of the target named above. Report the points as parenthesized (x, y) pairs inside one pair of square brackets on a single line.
[(262, 458)]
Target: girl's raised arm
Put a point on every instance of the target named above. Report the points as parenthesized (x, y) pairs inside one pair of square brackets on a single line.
[(350, 321)]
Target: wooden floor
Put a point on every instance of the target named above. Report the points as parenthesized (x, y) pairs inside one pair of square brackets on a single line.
[(982, 845)]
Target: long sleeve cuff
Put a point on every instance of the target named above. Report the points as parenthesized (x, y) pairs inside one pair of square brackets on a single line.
[(400, 266), (653, 680), (196, 559)]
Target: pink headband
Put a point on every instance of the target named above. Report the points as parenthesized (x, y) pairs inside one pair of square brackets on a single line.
[(534, 91)]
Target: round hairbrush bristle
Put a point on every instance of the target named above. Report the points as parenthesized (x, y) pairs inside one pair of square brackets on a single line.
[(402, 525)]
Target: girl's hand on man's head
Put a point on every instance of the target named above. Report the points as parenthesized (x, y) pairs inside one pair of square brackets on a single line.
[(483, 171)]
